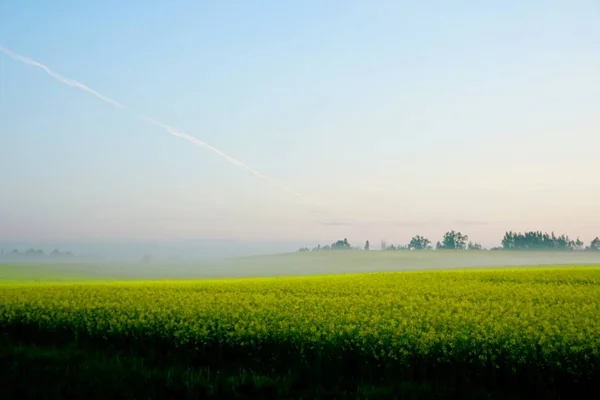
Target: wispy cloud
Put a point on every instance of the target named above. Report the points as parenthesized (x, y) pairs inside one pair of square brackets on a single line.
[(337, 223), (470, 222), (410, 224)]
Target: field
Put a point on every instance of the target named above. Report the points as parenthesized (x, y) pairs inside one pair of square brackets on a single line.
[(291, 264), (495, 333)]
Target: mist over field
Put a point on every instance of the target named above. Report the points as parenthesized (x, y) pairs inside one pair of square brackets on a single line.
[(288, 264), (173, 250)]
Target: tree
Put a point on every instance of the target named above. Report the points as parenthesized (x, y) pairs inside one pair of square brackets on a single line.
[(383, 245), (367, 245), (538, 241), (453, 240), (474, 246), (418, 242), (35, 253), (595, 244), (341, 245)]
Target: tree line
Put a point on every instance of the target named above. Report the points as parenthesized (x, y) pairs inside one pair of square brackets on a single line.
[(454, 240), (35, 253)]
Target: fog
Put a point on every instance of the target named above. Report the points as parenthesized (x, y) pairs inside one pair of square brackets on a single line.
[(116, 251), (288, 264)]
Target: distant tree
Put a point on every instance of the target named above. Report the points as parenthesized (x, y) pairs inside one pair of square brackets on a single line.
[(55, 253), (383, 245), (419, 242), (579, 244), (341, 245), (304, 249), (537, 240), (367, 245), (15, 252), (474, 246), (594, 244), (35, 253), (453, 240)]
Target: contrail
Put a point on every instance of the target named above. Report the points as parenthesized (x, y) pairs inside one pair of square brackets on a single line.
[(168, 128), (58, 77), (232, 160)]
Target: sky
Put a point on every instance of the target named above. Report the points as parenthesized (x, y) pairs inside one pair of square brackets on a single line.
[(389, 118)]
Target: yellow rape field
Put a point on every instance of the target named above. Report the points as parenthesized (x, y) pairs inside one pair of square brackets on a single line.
[(540, 321)]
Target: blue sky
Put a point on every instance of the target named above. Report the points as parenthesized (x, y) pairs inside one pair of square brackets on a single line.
[(397, 117)]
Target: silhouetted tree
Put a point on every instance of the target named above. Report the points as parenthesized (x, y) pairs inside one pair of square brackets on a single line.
[(418, 242), (35, 253), (341, 245), (537, 240), (594, 244), (474, 246), (453, 240)]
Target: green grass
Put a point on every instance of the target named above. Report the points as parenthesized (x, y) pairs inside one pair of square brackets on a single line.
[(32, 272), (445, 334)]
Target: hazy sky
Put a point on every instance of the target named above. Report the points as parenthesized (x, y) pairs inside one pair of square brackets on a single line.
[(397, 117)]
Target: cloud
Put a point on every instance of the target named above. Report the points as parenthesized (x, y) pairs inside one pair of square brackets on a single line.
[(403, 223), (356, 222), (469, 222), (337, 223), (410, 224)]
